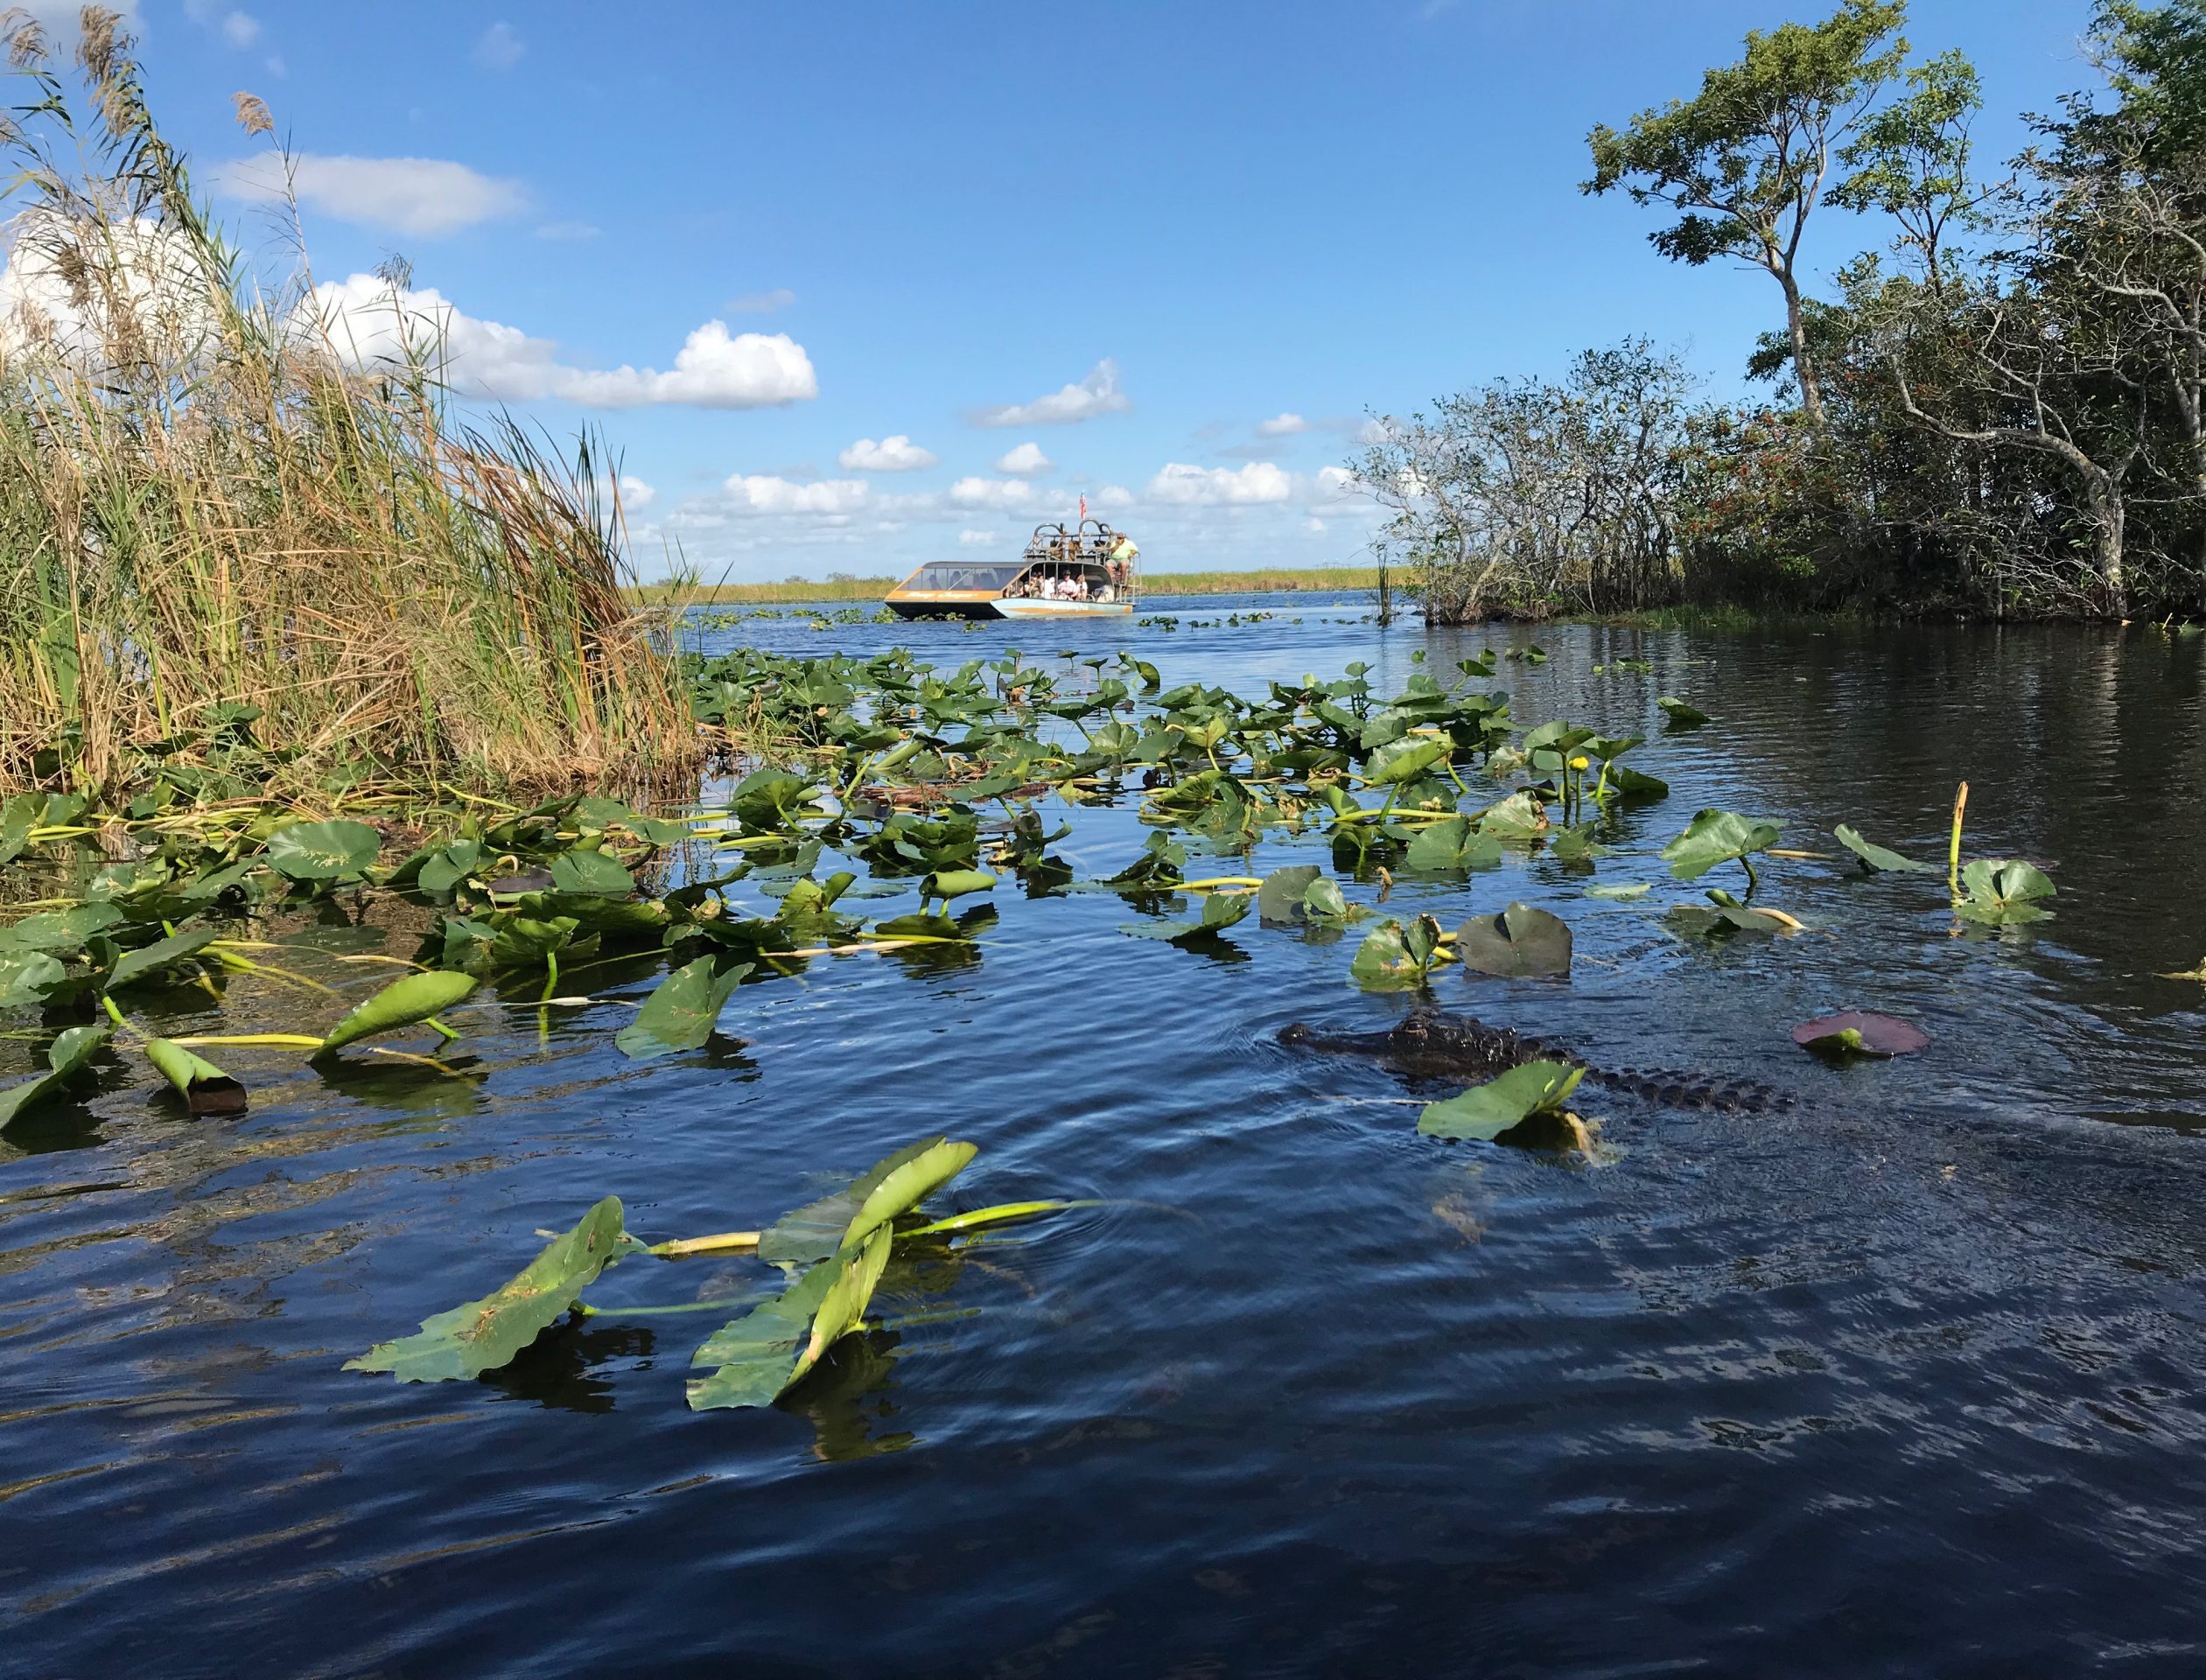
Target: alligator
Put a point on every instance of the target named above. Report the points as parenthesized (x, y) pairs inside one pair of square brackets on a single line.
[(1429, 1043)]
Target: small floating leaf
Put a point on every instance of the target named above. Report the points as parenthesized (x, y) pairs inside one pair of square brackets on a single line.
[(205, 1087), (1281, 897), (71, 1049), (1520, 816), (323, 851), (405, 1002), (818, 1228), (1876, 859), (773, 1347), (1620, 890), (1382, 962), (1681, 716), (1520, 942), (1406, 759), (594, 874), (1489, 1111), (481, 1335), (1861, 1032), (1452, 843), (1713, 837), (2001, 892), (1635, 784), (683, 1009), (956, 883)]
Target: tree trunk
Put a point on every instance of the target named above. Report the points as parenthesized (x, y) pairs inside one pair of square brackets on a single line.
[(1802, 367), (2109, 514)]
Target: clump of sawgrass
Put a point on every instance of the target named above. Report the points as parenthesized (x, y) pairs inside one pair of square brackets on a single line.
[(207, 506)]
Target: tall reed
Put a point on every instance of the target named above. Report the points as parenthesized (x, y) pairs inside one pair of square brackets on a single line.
[(207, 506)]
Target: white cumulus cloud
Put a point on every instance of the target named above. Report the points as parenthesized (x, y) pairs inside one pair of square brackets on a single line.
[(897, 454), (424, 196), (1282, 425), (1179, 484), (500, 47), (635, 494), (1097, 394), (977, 539), (1024, 459), (763, 493), (367, 321), (1004, 495)]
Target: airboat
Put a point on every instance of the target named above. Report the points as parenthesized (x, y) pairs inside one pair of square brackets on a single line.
[(1084, 573)]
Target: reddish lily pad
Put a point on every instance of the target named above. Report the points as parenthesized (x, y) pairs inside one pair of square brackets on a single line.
[(1859, 1032)]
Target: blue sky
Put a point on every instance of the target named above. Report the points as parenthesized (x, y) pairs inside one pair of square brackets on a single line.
[(1179, 220)]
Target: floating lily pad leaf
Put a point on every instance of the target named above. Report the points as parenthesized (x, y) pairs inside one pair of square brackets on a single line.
[(1453, 843), (1577, 846), (1713, 837), (2001, 892), (60, 930), (772, 1349), (205, 1087), (70, 1051), (1220, 911), (323, 851), (1631, 784), (817, 1229), (481, 1335), (1521, 816), (1488, 1112), (947, 884), (1724, 919), (683, 1009), (1861, 1032), (1389, 960), (1405, 761), (591, 873), (1620, 890), (440, 871), (1324, 902), (1280, 898), (1681, 716), (149, 960), (29, 977), (1874, 857), (1521, 941), (406, 1002)]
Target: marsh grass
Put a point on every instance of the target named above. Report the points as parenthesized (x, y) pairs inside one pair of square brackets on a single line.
[(208, 510)]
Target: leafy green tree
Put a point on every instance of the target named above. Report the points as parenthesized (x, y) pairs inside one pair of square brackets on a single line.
[(1911, 159), (1746, 159)]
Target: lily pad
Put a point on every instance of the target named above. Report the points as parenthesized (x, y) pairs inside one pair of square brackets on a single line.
[(481, 1335), (1521, 816), (205, 1087), (1681, 716), (1630, 784), (1388, 958), (2002, 893), (1220, 911), (1876, 859), (323, 851), (771, 1347), (149, 960), (683, 1009), (1521, 941), (71, 1049), (406, 1002), (1714, 837), (1626, 890), (1453, 843), (1861, 1032), (892, 1186), (1405, 761), (1280, 898), (1489, 1112), (594, 874)]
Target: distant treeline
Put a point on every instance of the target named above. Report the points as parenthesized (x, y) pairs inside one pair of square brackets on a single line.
[(2003, 414)]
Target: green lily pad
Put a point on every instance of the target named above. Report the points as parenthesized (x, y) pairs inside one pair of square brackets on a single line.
[(892, 1186), (1521, 941), (2002, 891), (1876, 859), (1521, 816), (770, 1349), (205, 1087), (481, 1335), (1280, 898), (683, 1009), (1681, 716), (1620, 890), (149, 960), (406, 1002), (71, 1049), (1714, 837), (595, 874), (1488, 1112), (1405, 761), (1453, 843), (323, 851)]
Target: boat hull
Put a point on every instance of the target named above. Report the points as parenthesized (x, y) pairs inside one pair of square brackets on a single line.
[(998, 607)]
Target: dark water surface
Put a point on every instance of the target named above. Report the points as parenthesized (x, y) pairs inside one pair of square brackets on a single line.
[(1909, 1380)]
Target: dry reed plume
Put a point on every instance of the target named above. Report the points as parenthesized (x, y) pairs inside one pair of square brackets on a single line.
[(207, 505)]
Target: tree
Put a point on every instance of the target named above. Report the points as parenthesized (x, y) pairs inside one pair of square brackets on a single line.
[(1746, 159), (1911, 160)]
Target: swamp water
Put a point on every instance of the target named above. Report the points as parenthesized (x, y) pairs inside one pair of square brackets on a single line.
[(1907, 1380)]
